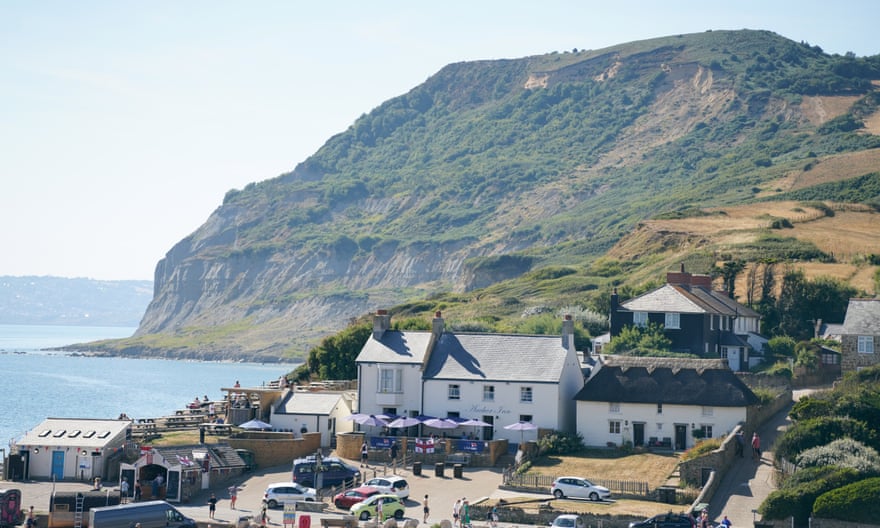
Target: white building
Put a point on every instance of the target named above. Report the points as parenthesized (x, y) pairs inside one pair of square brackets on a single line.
[(315, 412), (71, 449), (497, 378), (661, 402)]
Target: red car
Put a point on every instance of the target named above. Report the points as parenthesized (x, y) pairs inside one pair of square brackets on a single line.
[(347, 499)]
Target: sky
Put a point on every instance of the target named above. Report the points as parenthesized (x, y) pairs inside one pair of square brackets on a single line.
[(124, 123)]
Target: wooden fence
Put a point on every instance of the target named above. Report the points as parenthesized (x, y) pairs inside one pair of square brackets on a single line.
[(543, 483)]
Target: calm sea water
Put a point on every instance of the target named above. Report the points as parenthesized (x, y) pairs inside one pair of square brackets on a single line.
[(39, 384)]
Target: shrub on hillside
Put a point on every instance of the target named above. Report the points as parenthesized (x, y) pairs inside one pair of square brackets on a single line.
[(844, 452), (856, 502), (810, 407), (560, 443), (820, 431), (798, 501)]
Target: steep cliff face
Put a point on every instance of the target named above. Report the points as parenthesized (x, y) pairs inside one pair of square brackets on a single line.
[(483, 173)]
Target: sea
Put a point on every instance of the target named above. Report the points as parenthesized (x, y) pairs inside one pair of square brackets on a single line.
[(38, 383)]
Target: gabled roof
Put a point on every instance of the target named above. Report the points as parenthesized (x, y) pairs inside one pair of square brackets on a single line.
[(497, 357), (862, 317), (678, 382), (78, 432), (676, 298), (222, 455), (321, 403), (395, 347)]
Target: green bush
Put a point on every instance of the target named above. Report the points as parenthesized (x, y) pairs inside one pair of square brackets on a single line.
[(798, 501), (844, 452), (820, 431), (560, 443), (856, 502)]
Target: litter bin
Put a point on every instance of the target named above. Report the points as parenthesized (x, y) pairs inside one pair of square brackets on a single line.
[(305, 521), (438, 469), (456, 471), (417, 468), (666, 494)]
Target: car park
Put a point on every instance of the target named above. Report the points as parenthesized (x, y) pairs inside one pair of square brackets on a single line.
[(392, 506), (282, 493), (666, 520), (346, 499), (578, 488), (568, 520), (392, 484)]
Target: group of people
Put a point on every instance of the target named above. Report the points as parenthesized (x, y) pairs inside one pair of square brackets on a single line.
[(756, 445), (704, 522)]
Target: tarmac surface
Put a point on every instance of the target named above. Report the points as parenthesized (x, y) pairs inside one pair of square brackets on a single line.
[(741, 491)]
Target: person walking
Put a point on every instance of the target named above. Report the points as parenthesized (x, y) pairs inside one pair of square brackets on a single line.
[(493, 517), (425, 510), (465, 514), (740, 443), (31, 520), (233, 495), (137, 490), (123, 490), (212, 506), (365, 451), (379, 510), (756, 446), (456, 512)]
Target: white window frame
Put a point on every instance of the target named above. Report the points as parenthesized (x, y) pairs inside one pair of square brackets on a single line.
[(866, 344), (708, 410), (672, 320), (390, 380), (640, 319), (614, 427), (489, 393), (526, 395), (614, 407), (453, 391)]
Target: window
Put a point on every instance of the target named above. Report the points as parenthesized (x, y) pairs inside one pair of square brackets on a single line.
[(390, 380), (614, 427), (866, 344), (659, 408), (525, 418), (614, 407), (640, 318), (525, 395), (454, 392), (488, 392), (673, 320), (711, 322), (708, 411), (707, 431)]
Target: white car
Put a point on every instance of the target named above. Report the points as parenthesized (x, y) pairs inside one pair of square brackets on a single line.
[(579, 488), (287, 492), (568, 520), (392, 484)]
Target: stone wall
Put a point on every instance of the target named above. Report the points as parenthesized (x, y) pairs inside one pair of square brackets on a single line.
[(348, 445), (273, 449)]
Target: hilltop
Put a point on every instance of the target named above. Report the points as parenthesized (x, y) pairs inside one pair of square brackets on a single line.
[(502, 188)]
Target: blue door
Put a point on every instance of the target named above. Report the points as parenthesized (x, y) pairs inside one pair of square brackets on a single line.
[(58, 465)]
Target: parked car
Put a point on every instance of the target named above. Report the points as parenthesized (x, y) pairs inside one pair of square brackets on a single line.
[(393, 484), (334, 471), (666, 520), (568, 520), (281, 493), (392, 506), (347, 499), (579, 488)]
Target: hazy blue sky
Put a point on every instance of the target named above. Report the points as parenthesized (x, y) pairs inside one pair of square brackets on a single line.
[(124, 123)]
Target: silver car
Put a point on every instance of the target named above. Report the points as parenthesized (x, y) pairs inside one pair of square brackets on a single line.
[(579, 488), (287, 492)]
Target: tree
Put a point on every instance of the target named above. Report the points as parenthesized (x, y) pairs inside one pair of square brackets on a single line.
[(728, 272), (335, 357), (638, 340)]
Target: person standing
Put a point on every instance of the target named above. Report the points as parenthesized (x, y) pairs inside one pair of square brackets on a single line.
[(233, 495), (212, 506), (726, 522), (123, 490), (456, 512), (425, 510), (137, 490), (31, 520), (493, 517), (740, 443), (379, 510), (756, 446), (465, 514), (364, 453), (393, 451), (704, 520)]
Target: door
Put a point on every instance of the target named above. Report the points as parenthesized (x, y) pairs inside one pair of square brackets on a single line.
[(172, 487), (734, 358), (58, 465), (488, 432), (680, 437), (638, 434)]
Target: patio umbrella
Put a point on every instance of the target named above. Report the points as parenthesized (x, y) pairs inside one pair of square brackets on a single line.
[(521, 426), (475, 422), (423, 417), (404, 421), (255, 425), (371, 420), (440, 423)]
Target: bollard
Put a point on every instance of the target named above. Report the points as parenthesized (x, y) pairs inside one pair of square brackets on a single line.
[(417, 468), (456, 471), (438, 469)]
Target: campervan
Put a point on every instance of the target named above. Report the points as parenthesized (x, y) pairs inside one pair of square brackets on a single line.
[(150, 514)]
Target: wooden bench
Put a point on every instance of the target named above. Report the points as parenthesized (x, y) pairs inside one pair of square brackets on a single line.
[(347, 521), (218, 429)]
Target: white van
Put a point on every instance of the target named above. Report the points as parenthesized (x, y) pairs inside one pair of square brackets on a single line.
[(150, 514)]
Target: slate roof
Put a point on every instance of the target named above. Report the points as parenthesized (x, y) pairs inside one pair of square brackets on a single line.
[(395, 347), (669, 381), (674, 298), (78, 432), (308, 403), (497, 357), (862, 317), (222, 455)]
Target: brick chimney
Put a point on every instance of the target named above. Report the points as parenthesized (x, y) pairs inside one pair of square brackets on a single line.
[(381, 323), (568, 333), (683, 278)]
